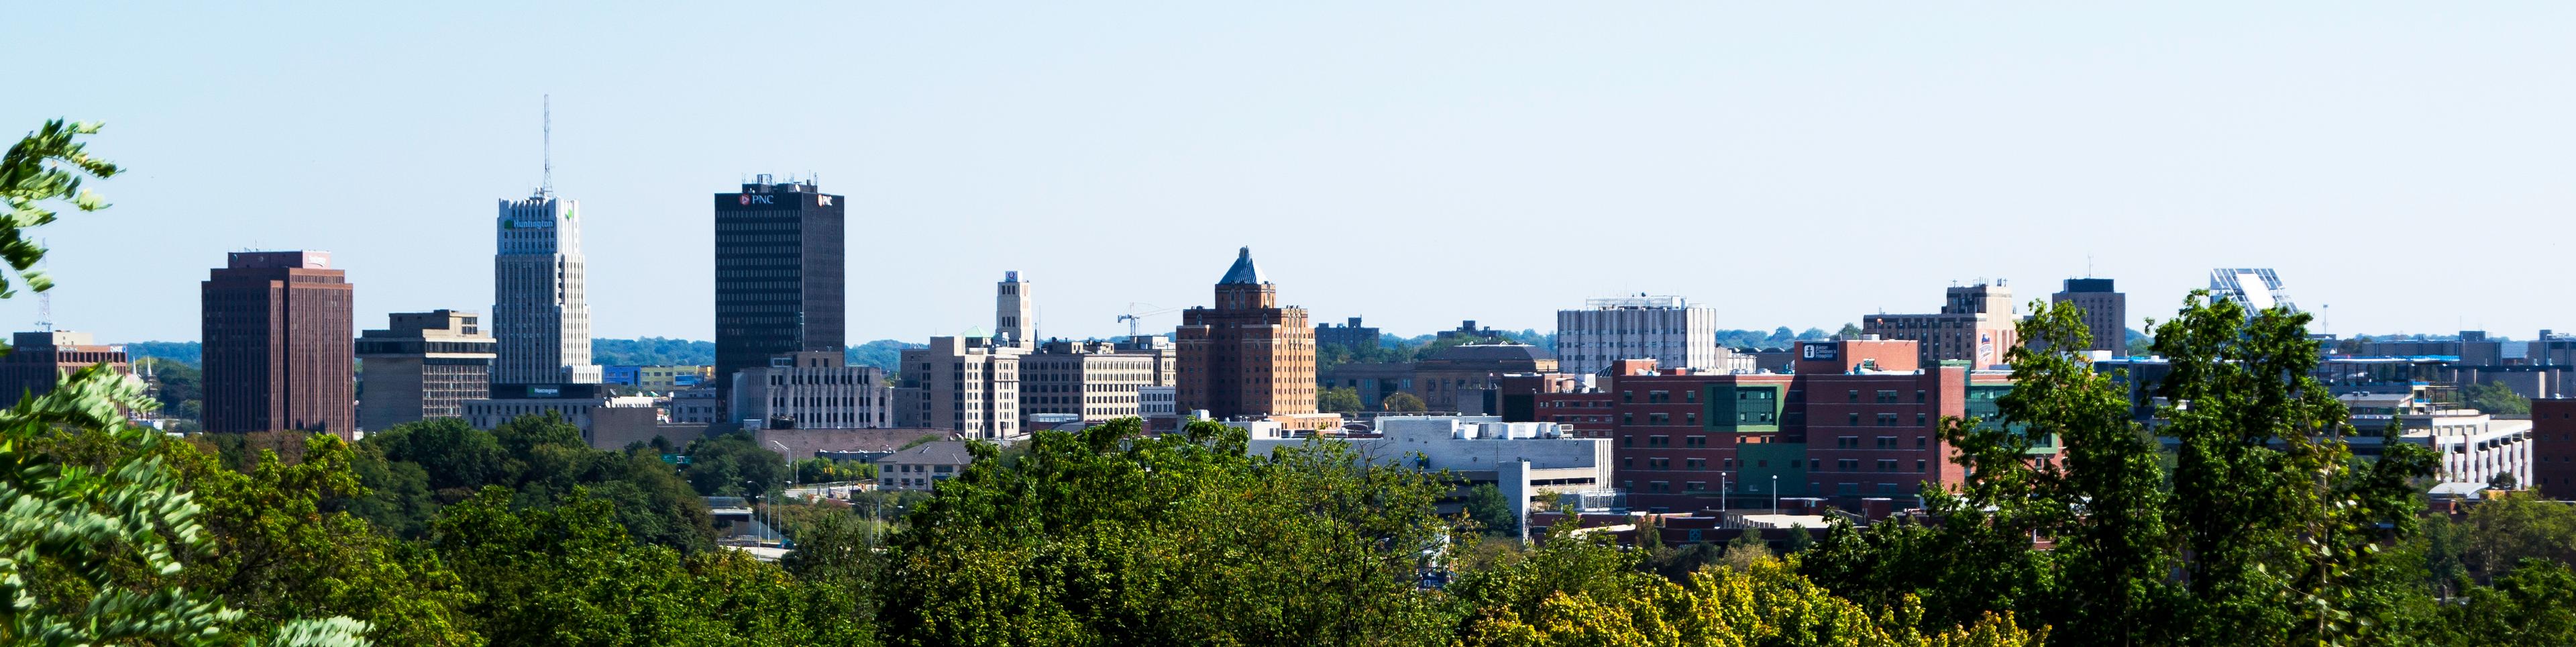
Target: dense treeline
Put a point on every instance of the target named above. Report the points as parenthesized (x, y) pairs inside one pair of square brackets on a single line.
[(444, 534), (2258, 527)]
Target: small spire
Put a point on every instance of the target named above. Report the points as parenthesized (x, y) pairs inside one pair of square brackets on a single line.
[(546, 113)]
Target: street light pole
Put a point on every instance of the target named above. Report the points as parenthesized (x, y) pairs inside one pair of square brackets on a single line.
[(1721, 494), (1775, 495)]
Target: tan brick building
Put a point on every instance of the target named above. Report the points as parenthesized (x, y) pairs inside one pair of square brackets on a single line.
[(1247, 356), (1975, 325)]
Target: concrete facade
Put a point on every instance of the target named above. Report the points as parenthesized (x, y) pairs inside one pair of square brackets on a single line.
[(279, 353), (606, 421), (2474, 446), (962, 384), (695, 406), (1666, 329), (1474, 447), (1093, 381), (1014, 312), (1975, 325), (423, 365), (540, 316), (1158, 401), (1247, 356), (812, 391)]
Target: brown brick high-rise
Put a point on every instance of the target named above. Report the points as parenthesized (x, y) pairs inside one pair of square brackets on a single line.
[(1247, 356), (278, 348)]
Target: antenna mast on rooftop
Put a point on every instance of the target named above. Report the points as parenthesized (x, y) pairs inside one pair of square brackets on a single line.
[(546, 183), (45, 298)]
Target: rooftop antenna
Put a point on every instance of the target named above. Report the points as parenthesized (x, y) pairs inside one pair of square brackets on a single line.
[(44, 299), (547, 144)]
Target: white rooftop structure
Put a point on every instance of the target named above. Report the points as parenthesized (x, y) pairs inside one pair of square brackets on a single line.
[(2258, 288)]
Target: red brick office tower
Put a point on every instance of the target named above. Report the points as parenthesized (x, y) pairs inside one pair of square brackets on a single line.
[(1247, 356), (278, 347), (2553, 447)]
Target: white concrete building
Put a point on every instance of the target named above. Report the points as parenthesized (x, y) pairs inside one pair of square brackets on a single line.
[(695, 405), (1092, 381), (1665, 328), (596, 413), (812, 390), (540, 318), (1520, 458), (2474, 446), (1158, 401), (1014, 312), (963, 384)]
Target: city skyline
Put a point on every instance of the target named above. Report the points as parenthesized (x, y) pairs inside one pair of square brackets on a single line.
[(2202, 144)]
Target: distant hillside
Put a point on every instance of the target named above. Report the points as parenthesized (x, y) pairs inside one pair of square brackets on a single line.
[(880, 353), (660, 351), (184, 352), (652, 351)]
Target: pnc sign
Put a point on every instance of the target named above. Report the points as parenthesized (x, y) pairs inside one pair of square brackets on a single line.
[(749, 199)]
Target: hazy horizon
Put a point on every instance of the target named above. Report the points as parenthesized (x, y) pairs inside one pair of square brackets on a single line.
[(1789, 165)]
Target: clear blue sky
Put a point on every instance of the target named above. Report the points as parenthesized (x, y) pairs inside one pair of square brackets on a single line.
[(1789, 163)]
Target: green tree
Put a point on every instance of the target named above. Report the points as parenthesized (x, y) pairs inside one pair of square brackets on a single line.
[(279, 551), (734, 465), (2533, 606), (1585, 591), (1340, 399), (1106, 537), (413, 468), (87, 552), (570, 575), (2515, 529), (176, 387), (2274, 514), (1402, 402), (2496, 398), (1491, 511), (2267, 529), (1849, 331)]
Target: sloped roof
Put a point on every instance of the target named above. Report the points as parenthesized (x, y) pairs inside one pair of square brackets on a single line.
[(946, 452), (1243, 273), (1506, 352)]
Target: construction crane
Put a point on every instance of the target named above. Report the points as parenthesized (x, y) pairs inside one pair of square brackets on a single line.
[(1137, 312)]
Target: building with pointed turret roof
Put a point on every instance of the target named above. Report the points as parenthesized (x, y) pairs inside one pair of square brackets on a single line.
[(1247, 356)]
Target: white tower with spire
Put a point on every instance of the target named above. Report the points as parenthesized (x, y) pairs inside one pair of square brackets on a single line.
[(539, 315), (1014, 318)]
